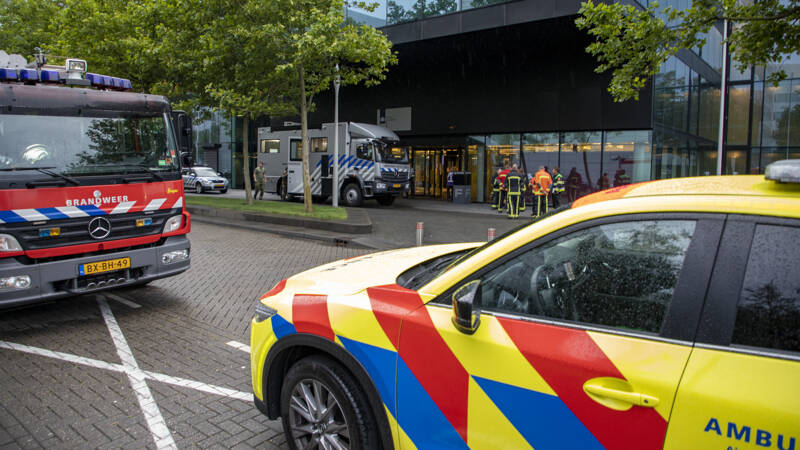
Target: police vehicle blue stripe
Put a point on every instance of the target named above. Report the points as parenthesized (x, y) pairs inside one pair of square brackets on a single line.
[(542, 419)]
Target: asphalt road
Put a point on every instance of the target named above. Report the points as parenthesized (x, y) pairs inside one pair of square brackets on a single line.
[(161, 366)]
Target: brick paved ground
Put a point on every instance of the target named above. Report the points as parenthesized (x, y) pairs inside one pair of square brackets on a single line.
[(180, 330)]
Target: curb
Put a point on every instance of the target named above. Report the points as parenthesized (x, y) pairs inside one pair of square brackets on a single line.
[(253, 226), (358, 222)]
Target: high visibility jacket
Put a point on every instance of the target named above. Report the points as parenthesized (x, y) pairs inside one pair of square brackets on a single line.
[(558, 184), (541, 183), (514, 184)]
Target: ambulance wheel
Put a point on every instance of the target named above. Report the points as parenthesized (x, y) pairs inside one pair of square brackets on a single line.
[(385, 200), (323, 407), (319, 198), (198, 188), (351, 194)]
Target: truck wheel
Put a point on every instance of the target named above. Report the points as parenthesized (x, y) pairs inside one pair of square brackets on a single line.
[(198, 188), (323, 407), (385, 200), (352, 195)]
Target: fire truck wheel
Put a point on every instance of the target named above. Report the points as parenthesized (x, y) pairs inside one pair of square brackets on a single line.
[(198, 188), (351, 194), (385, 200)]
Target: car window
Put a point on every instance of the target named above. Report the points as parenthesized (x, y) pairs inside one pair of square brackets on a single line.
[(768, 312), (619, 275)]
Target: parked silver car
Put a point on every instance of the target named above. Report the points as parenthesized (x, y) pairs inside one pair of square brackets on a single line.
[(203, 179)]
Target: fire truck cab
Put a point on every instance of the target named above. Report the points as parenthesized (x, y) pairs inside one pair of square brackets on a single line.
[(91, 195)]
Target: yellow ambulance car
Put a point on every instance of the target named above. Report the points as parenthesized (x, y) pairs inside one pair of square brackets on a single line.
[(663, 314)]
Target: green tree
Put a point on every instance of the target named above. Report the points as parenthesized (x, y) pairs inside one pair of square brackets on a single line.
[(633, 43), (314, 38), (239, 47)]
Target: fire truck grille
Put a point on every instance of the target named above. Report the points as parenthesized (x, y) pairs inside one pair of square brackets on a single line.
[(34, 235)]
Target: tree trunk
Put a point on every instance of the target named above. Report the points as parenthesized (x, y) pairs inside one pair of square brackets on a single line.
[(304, 140), (246, 159)]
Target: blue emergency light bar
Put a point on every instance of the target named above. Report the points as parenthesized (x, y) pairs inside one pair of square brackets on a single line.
[(30, 76), (8, 74)]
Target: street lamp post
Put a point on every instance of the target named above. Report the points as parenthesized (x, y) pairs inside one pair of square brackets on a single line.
[(723, 90), (336, 83)]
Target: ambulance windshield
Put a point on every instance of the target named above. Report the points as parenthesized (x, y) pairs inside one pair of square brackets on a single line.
[(88, 145)]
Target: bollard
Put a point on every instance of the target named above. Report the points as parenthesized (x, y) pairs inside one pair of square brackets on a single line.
[(420, 230), (491, 235)]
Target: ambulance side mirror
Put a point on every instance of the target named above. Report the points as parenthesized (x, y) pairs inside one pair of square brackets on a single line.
[(467, 307)]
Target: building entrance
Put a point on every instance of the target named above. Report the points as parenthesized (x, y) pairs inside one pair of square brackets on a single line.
[(430, 169)]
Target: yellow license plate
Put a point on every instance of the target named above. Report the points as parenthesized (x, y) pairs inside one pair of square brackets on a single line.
[(398, 185), (104, 266)]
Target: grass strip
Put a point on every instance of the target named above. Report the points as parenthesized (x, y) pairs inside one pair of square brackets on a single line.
[(323, 212)]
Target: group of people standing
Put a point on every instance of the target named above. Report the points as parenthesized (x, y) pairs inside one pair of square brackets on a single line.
[(509, 186)]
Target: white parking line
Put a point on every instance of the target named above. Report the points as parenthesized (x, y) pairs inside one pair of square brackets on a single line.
[(152, 414), (97, 364), (122, 300), (239, 346)]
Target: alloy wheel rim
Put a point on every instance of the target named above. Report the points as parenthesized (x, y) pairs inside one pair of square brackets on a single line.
[(316, 419)]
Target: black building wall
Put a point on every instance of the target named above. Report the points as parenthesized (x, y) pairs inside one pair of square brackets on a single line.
[(531, 77)]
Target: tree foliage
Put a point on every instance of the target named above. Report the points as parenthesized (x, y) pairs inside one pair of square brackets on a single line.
[(248, 57), (633, 43), (314, 37), (396, 13)]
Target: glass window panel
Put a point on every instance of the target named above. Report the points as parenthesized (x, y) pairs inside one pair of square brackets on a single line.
[(375, 18), (768, 313), (736, 162), (398, 11), (627, 156), (781, 114), (540, 149), (580, 162), (620, 275), (294, 150), (270, 146), (738, 115), (709, 110)]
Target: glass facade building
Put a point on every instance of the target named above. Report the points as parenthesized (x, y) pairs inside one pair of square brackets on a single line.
[(490, 83)]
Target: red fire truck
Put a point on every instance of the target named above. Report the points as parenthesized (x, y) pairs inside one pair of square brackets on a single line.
[(91, 196)]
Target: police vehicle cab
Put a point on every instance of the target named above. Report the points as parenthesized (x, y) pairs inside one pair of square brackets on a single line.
[(204, 179), (663, 314)]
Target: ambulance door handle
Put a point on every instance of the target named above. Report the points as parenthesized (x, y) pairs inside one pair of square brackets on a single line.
[(616, 393)]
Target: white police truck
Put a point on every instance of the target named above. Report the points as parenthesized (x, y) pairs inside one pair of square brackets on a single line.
[(371, 164)]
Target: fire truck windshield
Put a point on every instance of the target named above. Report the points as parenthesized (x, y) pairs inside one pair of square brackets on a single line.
[(88, 145), (389, 154)]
